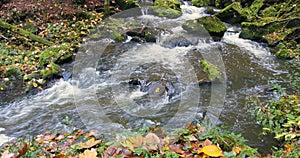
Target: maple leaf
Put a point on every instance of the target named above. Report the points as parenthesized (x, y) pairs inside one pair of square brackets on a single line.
[(89, 154)]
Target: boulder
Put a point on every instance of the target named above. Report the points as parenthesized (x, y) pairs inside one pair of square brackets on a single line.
[(167, 8), (233, 14), (214, 26)]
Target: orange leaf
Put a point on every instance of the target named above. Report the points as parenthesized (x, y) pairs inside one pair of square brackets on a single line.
[(90, 143)]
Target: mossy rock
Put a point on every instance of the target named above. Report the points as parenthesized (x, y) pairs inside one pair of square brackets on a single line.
[(234, 14), (127, 4), (166, 12), (212, 71), (57, 53), (171, 4), (203, 3), (213, 25), (51, 70)]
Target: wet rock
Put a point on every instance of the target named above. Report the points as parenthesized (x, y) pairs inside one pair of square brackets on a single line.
[(214, 26), (233, 14), (210, 11), (180, 42), (141, 35)]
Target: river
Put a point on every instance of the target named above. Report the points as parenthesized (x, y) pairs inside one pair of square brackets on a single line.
[(99, 96)]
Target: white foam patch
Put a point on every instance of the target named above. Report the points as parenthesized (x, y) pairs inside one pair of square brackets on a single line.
[(4, 138)]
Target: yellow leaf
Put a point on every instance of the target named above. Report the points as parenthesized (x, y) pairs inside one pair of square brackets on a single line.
[(35, 85), (89, 154), (211, 150), (157, 89)]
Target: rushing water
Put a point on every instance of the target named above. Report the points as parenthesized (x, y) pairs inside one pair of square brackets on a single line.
[(247, 71)]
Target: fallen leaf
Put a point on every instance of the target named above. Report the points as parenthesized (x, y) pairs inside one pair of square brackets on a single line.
[(89, 154), (211, 150), (90, 143), (176, 148), (22, 150), (207, 143)]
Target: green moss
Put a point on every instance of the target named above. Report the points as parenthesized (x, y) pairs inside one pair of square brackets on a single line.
[(211, 70), (255, 6), (12, 71), (117, 36), (172, 4), (51, 70), (269, 12), (127, 4), (166, 12), (56, 53), (202, 3)]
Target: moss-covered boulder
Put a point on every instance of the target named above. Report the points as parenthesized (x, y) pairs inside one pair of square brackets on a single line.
[(214, 26), (56, 53), (167, 8), (202, 3), (234, 13), (127, 4)]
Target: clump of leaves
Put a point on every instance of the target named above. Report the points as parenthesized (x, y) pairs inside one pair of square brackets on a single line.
[(151, 142), (281, 117)]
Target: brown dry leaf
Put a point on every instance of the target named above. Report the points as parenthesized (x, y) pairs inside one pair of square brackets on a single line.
[(176, 148), (6, 154), (22, 151), (90, 143), (207, 143), (89, 154), (152, 138), (211, 150)]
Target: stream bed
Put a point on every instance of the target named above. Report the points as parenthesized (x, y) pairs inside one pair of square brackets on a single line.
[(100, 97)]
